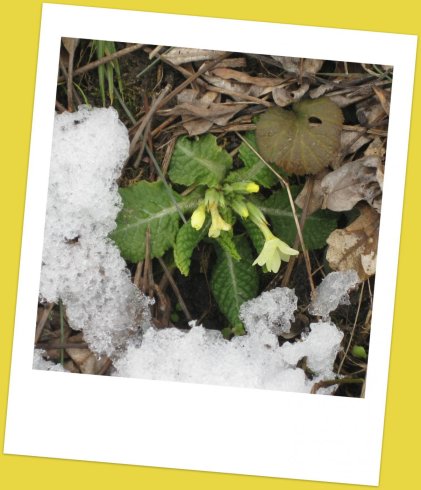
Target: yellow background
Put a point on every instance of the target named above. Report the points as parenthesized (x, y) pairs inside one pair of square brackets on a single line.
[(19, 40)]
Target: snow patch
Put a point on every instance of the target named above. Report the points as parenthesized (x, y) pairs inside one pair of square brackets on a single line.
[(80, 264), (254, 360), (42, 364), (332, 292)]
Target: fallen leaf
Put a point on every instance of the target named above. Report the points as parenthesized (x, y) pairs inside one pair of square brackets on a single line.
[(352, 141), (284, 96), (240, 76), (179, 56), (86, 361), (355, 247), (70, 43), (299, 66), (352, 182), (200, 112), (384, 98), (317, 194), (304, 140)]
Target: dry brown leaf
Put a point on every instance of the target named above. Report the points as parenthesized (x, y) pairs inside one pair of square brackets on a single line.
[(70, 43), (86, 361), (299, 66), (239, 76), (317, 194), (352, 141), (236, 90), (285, 96), (376, 147), (179, 56), (200, 112), (384, 98), (353, 182), (355, 247)]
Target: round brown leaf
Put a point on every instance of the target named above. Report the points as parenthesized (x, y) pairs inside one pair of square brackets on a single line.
[(304, 140)]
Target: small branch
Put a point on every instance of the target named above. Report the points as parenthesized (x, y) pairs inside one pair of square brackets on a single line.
[(292, 260), (332, 382), (175, 289), (42, 321), (147, 117), (102, 61), (353, 329)]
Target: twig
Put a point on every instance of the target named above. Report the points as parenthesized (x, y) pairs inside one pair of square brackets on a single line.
[(175, 289), (70, 345), (70, 92), (292, 260), (294, 213), (353, 329), (206, 67), (42, 321), (332, 382), (102, 61), (147, 117)]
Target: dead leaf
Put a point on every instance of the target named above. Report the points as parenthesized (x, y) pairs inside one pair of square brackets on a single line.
[(352, 182), (376, 147), (86, 361), (299, 66), (200, 112), (355, 247), (240, 76), (369, 112), (352, 141), (304, 140), (285, 96), (317, 194), (179, 56), (70, 43), (384, 98)]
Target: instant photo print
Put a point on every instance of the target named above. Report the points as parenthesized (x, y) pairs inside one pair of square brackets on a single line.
[(213, 287)]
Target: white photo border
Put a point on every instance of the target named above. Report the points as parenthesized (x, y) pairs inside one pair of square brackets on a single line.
[(187, 426)]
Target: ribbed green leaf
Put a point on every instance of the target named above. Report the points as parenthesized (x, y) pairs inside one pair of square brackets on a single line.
[(226, 241), (234, 282), (148, 204), (255, 235), (199, 161), (187, 240), (254, 169), (317, 228)]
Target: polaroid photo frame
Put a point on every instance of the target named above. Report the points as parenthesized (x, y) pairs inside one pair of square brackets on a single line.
[(175, 425)]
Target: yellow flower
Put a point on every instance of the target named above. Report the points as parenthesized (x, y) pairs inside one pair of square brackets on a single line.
[(239, 206), (218, 223), (252, 187), (274, 251), (198, 217)]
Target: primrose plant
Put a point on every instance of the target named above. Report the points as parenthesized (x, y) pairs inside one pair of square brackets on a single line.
[(225, 202)]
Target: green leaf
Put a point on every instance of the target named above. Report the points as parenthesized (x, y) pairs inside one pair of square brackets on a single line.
[(234, 282), (254, 169), (304, 140), (148, 204), (187, 240), (199, 161), (318, 226), (226, 241), (255, 235)]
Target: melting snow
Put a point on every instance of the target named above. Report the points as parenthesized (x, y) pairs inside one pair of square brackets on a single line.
[(80, 264), (254, 360), (332, 292)]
